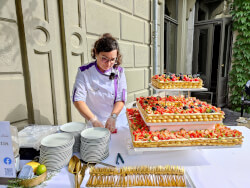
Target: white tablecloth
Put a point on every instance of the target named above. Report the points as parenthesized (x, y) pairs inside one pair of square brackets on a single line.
[(224, 167)]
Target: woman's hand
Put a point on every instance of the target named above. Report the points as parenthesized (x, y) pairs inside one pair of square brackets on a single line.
[(110, 124), (95, 122)]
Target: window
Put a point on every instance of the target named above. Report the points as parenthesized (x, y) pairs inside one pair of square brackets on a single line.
[(171, 9), (170, 35)]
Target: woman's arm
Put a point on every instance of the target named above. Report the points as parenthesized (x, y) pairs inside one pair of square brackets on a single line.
[(117, 107), (84, 110), (110, 124)]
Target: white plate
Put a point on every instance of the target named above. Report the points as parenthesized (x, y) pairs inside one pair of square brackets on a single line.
[(93, 159), (94, 156), (59, 148), (91, 151), (95, 133), (56, 153), (56, 150), (55, 158), (94, 152), (55, 162), (62, 155), (105, 134), (57, 140), (65, 144), (95, 140), (68, 143), (94, 145), (73, 127)]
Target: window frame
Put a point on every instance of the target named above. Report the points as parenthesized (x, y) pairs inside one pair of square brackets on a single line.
[(168, 21)]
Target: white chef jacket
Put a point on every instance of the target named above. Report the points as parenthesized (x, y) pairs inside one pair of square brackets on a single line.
[(98, 91)]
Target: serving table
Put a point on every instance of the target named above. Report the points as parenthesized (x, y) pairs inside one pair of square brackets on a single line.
[(223, 167)]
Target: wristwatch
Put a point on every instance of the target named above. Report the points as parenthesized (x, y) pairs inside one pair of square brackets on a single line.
[(114, 116)]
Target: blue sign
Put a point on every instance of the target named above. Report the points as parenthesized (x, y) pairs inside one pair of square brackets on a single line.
[(7, 160)]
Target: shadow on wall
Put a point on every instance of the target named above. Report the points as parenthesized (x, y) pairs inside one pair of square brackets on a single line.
[(30, 21), (20, 114), (43, 120), (8, 39), (8, 33)]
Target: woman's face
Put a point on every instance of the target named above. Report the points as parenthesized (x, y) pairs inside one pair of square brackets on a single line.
[(106, 60)]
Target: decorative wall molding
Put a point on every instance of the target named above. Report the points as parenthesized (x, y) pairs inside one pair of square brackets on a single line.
[(42, 33)]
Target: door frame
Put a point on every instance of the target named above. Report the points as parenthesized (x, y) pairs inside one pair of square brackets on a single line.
[(210, 27), (220, 78)]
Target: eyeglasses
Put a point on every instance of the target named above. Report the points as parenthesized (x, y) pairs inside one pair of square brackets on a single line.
[(106, 60)]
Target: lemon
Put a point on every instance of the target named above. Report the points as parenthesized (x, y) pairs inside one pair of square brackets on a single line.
[(34, 165), (41, 169)]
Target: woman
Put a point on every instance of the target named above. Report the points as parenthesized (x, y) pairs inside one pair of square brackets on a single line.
[(100, 88)]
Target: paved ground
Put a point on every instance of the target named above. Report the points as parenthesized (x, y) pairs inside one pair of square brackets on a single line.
[(231, 117)]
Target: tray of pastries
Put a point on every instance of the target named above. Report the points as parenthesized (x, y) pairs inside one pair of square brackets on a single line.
[(141, 135), (191, 113), (174, 81)]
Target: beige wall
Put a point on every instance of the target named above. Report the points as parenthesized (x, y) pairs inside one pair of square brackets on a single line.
[(13, 105), (57, 37), (131, 23)]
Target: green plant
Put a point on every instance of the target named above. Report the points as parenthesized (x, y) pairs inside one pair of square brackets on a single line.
[(240, 72)]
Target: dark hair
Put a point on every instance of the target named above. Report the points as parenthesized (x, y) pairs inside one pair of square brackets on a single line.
[(106, 43)]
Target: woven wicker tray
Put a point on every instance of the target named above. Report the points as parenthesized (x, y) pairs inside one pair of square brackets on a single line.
[(34, 181)]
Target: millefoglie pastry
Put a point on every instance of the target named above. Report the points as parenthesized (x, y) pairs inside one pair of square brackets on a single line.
[(177, 109), (180, 81), (221, 135)]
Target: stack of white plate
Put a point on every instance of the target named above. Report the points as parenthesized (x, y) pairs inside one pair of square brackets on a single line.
[(74, 128), (56, 150), (94, 144)]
